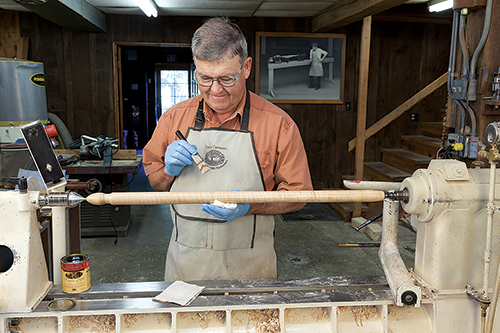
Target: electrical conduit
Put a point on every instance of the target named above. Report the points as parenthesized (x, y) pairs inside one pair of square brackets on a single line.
[(487, 252)]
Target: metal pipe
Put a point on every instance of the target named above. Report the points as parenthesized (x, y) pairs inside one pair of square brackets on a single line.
[(494, 301), (482, 41), (462, 116), (487, 253), (463, 46), (400, 282), (472, 118), (453, 51), (59, 241), (473, 82), (489, 227)]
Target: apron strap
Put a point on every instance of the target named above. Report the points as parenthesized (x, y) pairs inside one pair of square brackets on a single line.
[(200, 116), (246, 114)]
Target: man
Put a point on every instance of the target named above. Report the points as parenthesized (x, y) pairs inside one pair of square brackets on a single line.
[(249, 145), (316, 55)]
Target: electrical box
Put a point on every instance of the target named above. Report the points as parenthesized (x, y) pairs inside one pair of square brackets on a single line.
[(459, 89), (471, 147)]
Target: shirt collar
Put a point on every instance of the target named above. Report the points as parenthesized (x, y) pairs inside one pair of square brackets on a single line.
[(209, 113)]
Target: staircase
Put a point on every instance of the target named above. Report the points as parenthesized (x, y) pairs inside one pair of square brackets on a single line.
[(397, 164)]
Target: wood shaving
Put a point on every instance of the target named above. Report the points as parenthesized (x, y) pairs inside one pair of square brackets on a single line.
[(426, 291), (263, 321), (205, 318), (320, 314), (130, 319), (360, 313), (391, 310), (163, 320), (96, 323)]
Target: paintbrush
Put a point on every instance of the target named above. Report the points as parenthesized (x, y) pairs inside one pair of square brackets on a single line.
[(204, 168)]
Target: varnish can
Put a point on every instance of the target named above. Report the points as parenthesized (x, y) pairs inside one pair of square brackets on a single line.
[(75, 273)]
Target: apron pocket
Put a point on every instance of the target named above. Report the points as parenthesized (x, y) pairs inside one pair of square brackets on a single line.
[(234, 235), (191, 233)]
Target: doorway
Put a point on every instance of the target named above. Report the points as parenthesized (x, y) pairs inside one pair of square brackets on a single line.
[(147, 78)]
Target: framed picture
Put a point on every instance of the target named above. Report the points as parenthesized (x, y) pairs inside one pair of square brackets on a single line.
[(300, 67)]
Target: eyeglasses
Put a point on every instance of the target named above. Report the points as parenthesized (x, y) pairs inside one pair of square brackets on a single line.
[(224, 81)]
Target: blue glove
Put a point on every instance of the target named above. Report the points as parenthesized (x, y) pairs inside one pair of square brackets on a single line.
[(177, 156), (226, 214)]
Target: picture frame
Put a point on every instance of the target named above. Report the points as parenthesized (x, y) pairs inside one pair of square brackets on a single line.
[(285, 72)]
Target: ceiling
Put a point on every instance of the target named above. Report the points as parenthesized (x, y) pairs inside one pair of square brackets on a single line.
[(326, 14)]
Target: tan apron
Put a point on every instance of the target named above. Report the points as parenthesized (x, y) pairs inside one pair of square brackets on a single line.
[(203, 247), (316, 68)]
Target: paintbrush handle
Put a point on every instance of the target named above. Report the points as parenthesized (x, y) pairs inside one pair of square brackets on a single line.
[(197, 158), (180, 135)]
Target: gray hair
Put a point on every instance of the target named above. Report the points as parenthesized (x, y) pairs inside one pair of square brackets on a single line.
[(217, 38)]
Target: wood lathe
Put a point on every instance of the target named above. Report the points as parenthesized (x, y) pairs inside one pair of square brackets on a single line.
[(442, 295)]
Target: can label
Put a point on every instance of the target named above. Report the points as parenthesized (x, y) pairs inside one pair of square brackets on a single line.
[(75, 273)]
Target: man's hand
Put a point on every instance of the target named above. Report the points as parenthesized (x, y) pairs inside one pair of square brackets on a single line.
[(226, 214), (177, 156)]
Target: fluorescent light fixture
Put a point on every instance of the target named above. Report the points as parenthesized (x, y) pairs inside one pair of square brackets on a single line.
[(148, 7), (438, 5)]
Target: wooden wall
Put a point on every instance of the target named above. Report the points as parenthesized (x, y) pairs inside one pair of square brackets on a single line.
[(9, 34), (405, 57)]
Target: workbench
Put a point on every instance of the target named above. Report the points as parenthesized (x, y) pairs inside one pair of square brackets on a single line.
[(323, 304), (271, 67), (99, 220)]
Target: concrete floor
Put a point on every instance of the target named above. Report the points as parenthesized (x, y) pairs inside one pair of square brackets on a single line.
[(305, 248)]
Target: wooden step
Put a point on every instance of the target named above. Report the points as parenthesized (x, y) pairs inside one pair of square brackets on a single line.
[(421, 144), (405, 160), (344, 209), (383, 172), (432, 129)]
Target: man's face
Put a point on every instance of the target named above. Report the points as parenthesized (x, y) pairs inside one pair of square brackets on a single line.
[(224, 99)]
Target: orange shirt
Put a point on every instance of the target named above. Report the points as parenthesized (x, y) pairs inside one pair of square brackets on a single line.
[(278, 143)]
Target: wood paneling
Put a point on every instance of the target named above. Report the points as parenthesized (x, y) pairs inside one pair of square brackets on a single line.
[(9, 34), (404, 57)]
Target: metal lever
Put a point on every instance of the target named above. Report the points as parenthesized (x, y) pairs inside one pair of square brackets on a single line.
[(370, 220)]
